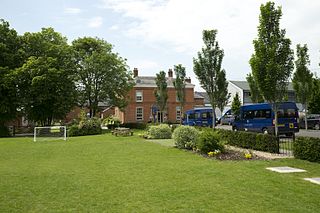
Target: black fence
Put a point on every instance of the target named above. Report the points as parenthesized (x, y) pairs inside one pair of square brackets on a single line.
[(285, 145), (17, 131)]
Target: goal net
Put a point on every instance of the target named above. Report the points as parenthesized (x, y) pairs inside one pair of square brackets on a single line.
[(50, 133)]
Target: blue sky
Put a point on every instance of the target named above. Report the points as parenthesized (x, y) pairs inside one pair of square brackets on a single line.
[(155, 35)]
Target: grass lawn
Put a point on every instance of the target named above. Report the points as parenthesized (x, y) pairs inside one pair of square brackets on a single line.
[(129, 174)]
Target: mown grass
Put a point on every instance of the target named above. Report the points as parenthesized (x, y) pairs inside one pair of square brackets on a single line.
[(129, 174)]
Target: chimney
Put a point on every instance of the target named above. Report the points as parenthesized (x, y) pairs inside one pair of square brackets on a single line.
[(135, 72), (170, 73), (188, 80)]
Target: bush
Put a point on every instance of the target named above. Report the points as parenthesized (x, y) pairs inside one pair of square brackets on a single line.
[(208, 141), (161, 131), (307, 148), (90, 126), (4, 131), (134, 125), (111, 122), (185, 137), (249, 140)]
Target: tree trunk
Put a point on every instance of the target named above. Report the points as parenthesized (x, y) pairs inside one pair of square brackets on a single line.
[(275, 110), (305, 116)]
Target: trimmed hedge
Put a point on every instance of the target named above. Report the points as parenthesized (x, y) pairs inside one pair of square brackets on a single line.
[(162, 131), (307, 148), (249, 140), (134, 125)]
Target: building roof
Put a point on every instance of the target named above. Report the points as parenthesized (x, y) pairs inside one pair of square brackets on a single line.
[(150, 81), (244, 85), (203, 95)]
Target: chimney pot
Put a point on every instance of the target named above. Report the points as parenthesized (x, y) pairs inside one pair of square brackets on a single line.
[(135, 72), (170, 73), (188, 80)]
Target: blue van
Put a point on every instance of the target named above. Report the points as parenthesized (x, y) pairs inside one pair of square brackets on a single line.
[(260, 118), (198, 117)]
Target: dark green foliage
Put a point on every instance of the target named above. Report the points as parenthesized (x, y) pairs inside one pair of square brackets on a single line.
[(134, 125), (209, 141), (4, 131), (223, 95), (162, 131), (307, 148), (91, 126), (161, 92), (111, 122), (104, 75), (207, 67), (248, 140), (314, 103), (256, 96), (185, 137), (235, 105), (180, 85)]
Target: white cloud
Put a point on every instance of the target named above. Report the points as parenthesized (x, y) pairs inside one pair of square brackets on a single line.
[(72, 10), (114, 27), (95, 22), (144, 65), (178, 25)]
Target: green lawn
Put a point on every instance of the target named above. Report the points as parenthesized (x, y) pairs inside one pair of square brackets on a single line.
[(129, 174)]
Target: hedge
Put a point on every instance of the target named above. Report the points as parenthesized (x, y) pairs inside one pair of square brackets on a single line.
[(249, 140), (307, 148)]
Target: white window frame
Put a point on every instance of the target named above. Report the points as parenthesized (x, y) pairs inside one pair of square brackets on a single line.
[(178, 113), (139, 98), (139, 117)]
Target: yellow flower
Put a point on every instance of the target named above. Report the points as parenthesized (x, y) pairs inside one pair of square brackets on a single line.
[(210, 154), (248, 155)]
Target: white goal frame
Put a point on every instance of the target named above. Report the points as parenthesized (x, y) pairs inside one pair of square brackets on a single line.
[(52, 130)]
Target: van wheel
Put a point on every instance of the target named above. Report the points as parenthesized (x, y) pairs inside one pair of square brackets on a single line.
[(317, 127), (265, 131), (234, 128)]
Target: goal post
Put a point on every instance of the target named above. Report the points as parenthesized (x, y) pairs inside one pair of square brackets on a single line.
[(50, 133)]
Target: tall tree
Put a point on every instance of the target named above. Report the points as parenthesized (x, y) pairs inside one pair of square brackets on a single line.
[(208, 66), (102, 75), (161, 92), (314, 103), (180, 84), (254, 90), (302, 78), (223, 95), (235, 105), (11, 57), (272, 62), (45, 81)]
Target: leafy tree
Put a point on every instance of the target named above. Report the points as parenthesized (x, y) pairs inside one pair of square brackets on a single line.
[(302, 78), (236, 104), (180, 85), (314, 103), (208, 66), (102, 76), (45, 82), (254, 90), (11, 57), (161, 92), (272, 62), (223, 95)]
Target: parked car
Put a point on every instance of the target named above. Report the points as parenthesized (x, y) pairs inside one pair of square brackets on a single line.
[(313, 122), (227, 118)]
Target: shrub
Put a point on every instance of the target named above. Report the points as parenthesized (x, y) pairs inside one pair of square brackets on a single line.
[(4, 131), (208, 141), (135, 125), (185, 137), (249, 140), (307, 148), (90, 126), (111, 122), (161, 131)]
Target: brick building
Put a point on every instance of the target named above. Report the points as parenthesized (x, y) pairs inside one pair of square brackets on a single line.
[(142, 105)]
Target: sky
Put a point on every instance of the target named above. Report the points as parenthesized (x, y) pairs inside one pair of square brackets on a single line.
[(155, 35)]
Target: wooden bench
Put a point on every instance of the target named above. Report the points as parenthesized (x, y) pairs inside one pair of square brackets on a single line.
[(121, 131)]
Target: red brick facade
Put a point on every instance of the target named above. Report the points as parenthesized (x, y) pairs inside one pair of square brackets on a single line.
[(143, 108)]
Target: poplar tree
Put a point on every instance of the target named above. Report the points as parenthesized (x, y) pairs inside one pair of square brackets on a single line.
[(180, 84), (161, 92)]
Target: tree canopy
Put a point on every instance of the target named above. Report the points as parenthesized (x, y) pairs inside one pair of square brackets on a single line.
[(235, 105), (101, 75), (207, 67), (180, 85), (161, 92)]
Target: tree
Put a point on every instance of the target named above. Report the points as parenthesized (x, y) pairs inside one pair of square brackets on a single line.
[(102, 76), (45, 82), (223, 95), (208, 66), (236, 104), (11, 57), (180, 84), (254, 90), (272, 62), (161, 92), (302, 78), (314, 103)]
